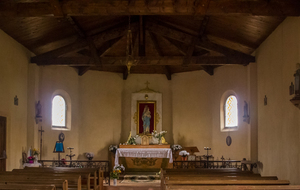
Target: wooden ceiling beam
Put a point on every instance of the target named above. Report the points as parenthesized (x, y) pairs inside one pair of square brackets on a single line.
[(144, 61), (82, 43), (57, 11), (106, 46), (160, 53), (142, 42), (205, 44), (153, 7)]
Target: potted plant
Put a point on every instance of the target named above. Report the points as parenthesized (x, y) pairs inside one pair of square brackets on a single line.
[(35, 154), (113, 148), (184, 155), (89, 155)]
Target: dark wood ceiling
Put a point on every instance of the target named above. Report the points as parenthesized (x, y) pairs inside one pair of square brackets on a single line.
[(169, 36)]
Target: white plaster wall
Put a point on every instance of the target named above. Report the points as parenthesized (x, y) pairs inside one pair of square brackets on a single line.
[(53, 78), (229, 78), (14, 59), (279, 121)]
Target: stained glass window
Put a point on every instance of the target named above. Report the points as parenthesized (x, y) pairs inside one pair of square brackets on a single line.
[(58, 111), (231, 112)]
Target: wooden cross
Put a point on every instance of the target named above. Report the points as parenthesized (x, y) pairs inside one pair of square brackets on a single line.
[(147, 83), (41, 142)]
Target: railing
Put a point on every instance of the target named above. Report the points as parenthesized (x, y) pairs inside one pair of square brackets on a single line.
[(207, 164), (102, 164)]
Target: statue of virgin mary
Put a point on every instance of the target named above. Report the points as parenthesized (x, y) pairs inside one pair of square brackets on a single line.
[(146, 119)]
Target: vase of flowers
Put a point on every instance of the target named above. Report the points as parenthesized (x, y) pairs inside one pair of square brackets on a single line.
[(35, 154), (89, 155), (184, 155), (159, 135), (117, 170), (113, 148), (30, 159), (176, 148), (131, 140)]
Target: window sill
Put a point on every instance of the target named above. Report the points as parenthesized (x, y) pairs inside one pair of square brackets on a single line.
[(229, 129), (60, 129)]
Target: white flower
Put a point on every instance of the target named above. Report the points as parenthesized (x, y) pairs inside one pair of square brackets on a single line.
[(89, 155), (118, 167), (112, 148), (183, 153), (176, 147)]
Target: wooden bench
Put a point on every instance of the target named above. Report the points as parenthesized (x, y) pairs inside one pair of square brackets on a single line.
[(95, 173), (27, 187), (58, 183), (74, 180), (205, 179)]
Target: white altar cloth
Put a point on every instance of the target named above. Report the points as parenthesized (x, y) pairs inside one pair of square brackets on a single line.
[(144, 153)]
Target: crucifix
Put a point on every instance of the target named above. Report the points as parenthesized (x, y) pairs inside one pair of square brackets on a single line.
[(41, 142)]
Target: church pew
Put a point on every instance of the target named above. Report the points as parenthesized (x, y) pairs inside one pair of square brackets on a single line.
[(95, 172), (171, 178), (58, 183), (236, 187), (72, 180), (26, 187), (85, 176), (220, 177)]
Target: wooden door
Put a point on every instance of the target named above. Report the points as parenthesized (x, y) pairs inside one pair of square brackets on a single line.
[(2, 143)]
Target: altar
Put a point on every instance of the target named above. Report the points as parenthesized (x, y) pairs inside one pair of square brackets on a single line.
[(144, 156)]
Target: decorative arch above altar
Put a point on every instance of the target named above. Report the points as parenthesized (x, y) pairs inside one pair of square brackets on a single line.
[(146, 102)]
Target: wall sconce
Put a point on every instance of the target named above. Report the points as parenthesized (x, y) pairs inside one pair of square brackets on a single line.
[(296, 99)]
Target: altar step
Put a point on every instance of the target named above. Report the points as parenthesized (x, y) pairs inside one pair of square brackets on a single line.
[(132, 186)]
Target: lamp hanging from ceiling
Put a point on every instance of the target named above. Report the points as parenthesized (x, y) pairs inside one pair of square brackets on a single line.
[(130, 61)]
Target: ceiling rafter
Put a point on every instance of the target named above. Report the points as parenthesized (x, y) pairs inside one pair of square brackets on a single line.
[(153, 7), (145, 61), (205, 44), (160, 53), (81, 43)]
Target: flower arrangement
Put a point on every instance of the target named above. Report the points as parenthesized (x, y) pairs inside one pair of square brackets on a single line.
[(176, 147), (113, 148), (116, 171), (184, 153), (89, 155), (30, 159), (159, 135), (132, 140), (35, 152)]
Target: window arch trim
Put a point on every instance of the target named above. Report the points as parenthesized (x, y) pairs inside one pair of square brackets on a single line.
[(68, 109), (223, 101)]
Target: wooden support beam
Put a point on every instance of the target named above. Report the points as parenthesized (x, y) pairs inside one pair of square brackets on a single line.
[(144, 61), (81, 44), (154, 7), (142, 46), (56, 7), (83, 70), (94, 52), (160, 53), (106, 46), (205, 44), (125, 73), (76, 26)]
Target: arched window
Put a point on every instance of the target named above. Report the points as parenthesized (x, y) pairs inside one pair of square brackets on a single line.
[(231, 112), (59, 112)]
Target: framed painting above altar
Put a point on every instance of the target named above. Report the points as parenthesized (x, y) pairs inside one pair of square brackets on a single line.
[(146, 111)]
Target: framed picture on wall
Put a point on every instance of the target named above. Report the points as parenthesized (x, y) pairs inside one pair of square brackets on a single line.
[(146, 112)]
